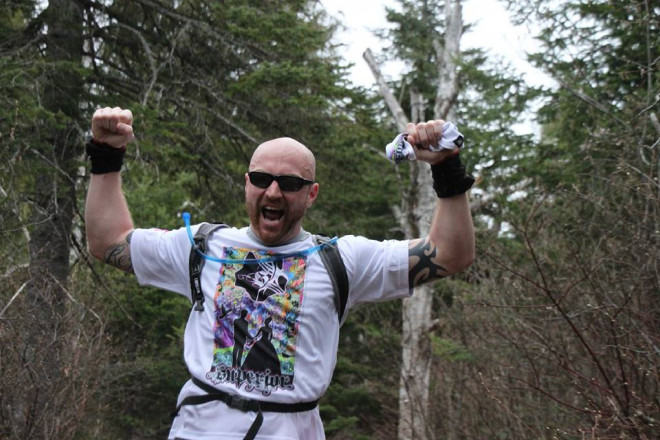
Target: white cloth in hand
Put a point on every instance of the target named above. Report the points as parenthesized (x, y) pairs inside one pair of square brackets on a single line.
[(400, 149)]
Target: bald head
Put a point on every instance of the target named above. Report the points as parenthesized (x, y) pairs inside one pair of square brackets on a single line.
[(276, 214), (288, 151)]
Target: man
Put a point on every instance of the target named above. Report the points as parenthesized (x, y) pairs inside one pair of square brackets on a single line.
[(269, 276)]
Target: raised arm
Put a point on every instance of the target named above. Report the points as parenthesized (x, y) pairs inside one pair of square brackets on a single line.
[(108, 221), (449, 247)]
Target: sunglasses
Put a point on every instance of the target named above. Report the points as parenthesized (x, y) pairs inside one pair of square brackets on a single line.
[(286, 183)]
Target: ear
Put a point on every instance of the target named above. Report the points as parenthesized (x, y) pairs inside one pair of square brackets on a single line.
[(313, 194)]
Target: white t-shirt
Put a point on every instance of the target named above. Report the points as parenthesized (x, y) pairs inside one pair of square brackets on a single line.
[(268, 331)]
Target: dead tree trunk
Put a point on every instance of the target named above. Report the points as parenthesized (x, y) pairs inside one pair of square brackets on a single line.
[(415, 217)]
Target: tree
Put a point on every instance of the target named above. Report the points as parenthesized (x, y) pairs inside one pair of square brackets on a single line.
[(415, 218), (206, 82), (485, 102), (576, 281), (43, 59)]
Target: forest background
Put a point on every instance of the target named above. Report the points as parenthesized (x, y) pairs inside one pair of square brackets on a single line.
[(554, 332)]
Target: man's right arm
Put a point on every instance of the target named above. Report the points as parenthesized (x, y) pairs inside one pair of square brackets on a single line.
[(108, 221)]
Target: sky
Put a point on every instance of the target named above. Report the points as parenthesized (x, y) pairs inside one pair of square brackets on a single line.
[(492, 31)]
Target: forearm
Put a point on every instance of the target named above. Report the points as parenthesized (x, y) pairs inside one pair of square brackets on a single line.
[(107, 219), (450, 246), (452, 233)]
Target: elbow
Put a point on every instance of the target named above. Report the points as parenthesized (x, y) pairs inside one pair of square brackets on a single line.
[(460, 263), (466, 262), (95, 249), (104, 248), (99, 246)]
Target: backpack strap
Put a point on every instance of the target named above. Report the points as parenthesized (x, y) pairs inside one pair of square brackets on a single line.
[(196, 262), (334, 264)]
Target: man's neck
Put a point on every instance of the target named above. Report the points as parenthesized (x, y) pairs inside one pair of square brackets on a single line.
[(302, 235)]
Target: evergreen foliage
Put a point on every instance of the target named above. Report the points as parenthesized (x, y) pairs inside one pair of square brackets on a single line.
[(207, 82), (586, 250), (553, 333)]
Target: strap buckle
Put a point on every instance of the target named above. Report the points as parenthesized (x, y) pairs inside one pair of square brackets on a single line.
[(238, 402)]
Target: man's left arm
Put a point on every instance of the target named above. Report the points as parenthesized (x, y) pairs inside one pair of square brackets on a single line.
[(449, 248), (450, 245)]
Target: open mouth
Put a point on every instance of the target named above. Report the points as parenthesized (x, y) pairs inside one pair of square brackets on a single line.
[(271, 214)]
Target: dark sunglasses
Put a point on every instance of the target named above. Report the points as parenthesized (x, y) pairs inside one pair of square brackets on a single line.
[(286, 183)]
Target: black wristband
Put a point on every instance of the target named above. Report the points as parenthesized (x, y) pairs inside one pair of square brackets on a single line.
[(450, 178), (105, 158)]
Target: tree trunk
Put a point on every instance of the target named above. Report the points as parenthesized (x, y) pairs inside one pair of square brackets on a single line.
[(416, 345), (40, 409), (417, 209), (446, 94)]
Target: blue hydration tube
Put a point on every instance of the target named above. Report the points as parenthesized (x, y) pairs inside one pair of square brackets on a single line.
[(304, 252)]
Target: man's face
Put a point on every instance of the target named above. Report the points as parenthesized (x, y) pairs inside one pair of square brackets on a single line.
[(275, 215)]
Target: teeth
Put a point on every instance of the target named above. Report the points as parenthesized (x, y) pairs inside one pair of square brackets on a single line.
[(272, 213)]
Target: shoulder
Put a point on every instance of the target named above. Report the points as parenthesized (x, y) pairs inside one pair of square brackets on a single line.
[(358, 251), (357, 242)]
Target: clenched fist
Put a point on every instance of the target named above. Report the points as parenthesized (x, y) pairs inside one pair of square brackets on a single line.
[(113, 126)]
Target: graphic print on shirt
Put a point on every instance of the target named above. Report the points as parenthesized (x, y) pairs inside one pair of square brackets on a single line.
[(256, 321), (262, 280)]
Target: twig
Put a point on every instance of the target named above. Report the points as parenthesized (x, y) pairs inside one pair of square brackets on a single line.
[(18, 292)]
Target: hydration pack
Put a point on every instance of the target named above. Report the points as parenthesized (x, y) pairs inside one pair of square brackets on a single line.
[(329, 254)]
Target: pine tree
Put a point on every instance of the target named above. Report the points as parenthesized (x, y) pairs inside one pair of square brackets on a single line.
[(207, 82)]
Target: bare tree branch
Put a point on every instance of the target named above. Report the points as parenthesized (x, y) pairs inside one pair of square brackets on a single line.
[(395, 108)]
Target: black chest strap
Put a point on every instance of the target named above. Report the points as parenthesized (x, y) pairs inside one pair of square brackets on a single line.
[(243, 404)]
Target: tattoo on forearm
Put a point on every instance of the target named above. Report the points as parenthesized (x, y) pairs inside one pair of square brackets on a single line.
[(424, 269), (120, 255)]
